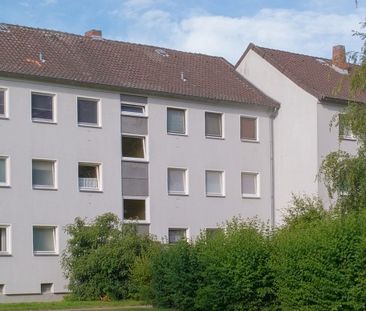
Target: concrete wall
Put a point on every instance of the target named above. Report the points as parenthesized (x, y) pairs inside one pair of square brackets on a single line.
[(295, 130), (197, 153), (68, 144)]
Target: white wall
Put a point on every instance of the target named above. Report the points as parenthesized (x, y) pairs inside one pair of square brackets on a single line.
[(198, 153), (295, 130), (328, 139), (66, 142)]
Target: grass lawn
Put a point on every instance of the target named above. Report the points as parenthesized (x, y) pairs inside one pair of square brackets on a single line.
[(59, 305)]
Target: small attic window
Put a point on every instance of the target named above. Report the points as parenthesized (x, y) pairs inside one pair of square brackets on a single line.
[(162, 52), (4, 28)]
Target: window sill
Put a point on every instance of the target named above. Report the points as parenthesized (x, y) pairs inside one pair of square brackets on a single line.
[(4, 117), (250, 140), (248, 196), (138, 222), (5, 186), (215, 195), (5, 254), (90, 190), (54, 254), (178, 134), (348, 138), (214, 137), (44, 188), (135, 160), (134, 115), (44, 121), (90, 125), (182, 194)]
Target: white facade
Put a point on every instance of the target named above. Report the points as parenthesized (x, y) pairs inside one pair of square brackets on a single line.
[(302, 133), (66, 144)]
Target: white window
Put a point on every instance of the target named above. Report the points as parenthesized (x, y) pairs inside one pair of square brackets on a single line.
[(134, 209), (177, 181), (89, 177), (248, 128), (88, 112), (4, 240), (176, 121), (43, 107), (250, 184), (213, 124), (133, 147), (344, 131), (134, 110), (214, 183), (175, 235), (3, 104), (44, 240), (43, 174), (4, 171)]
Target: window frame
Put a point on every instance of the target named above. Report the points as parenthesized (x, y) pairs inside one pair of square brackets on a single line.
[(147, 209), (257, 195), (257, 140), (98, 101), (186, 182), (54, 107), (99, 171), (5, 115), (178, 228), (222, 137), (217, 195), (6, 184), (144, 145), (185, 110), (54, 175), (144, 114), (55, 240), (343, 136), (8, 237)]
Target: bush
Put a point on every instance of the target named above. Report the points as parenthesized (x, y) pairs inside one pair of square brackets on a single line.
[(321, 264), (235, 274), (99, 257), (175, 273)]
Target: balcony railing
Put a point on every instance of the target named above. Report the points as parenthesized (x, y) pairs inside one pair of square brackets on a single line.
[(88, 183)]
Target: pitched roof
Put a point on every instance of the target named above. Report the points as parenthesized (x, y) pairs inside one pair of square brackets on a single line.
[(71, 58), (314, 74)]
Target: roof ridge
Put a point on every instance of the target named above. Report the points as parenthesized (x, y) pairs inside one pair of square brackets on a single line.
[(106, 39)]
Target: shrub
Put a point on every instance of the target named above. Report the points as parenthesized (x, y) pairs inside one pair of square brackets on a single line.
[(321, 264), (99, 256), (235, 273)]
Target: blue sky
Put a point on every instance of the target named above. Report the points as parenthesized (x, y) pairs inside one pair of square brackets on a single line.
[(215, 27)]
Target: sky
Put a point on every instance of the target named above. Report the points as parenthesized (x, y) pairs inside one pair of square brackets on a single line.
[(215, 27)]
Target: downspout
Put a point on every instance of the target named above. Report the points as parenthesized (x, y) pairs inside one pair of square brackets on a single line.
[(272, 166)]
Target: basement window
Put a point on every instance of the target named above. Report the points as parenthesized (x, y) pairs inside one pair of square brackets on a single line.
[(176, 235)]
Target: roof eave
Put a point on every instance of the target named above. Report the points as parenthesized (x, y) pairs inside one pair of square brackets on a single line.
[(127, 89)]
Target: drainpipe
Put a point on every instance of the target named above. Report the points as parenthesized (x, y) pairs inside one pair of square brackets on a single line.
[(272, 165)]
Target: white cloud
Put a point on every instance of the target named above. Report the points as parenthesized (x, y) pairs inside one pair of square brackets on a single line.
[(307, 32)]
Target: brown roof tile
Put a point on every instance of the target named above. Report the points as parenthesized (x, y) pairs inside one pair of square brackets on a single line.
[(314, 74), (124, 66)]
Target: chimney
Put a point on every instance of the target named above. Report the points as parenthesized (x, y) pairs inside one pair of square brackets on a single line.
[(339, 57), (94, 34)]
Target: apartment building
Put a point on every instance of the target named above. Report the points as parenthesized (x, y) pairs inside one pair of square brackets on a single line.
[(177, 142), (313, 92)]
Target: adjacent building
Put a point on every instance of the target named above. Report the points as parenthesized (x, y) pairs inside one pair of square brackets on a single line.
[(177, 142)]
